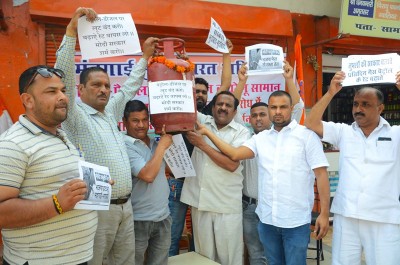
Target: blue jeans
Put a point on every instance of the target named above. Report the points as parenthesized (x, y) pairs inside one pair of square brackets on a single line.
[(285, 245), (152, 242), (178, 211), (250, 235)]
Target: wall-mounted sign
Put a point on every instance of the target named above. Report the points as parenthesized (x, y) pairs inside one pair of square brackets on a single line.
[(371, 18)]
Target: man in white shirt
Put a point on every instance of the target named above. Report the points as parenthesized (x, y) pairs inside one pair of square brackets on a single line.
[(366, 203), (215, 194), (288, 155)]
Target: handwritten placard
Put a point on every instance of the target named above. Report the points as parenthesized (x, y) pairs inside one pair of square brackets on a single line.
[(370, 69), (98, 193), (216, 38), (109, 35), (178, 159), (171, 96), (264, 59)]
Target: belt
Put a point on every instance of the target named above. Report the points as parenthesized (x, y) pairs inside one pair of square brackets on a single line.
[(249, 200), (120, 200)]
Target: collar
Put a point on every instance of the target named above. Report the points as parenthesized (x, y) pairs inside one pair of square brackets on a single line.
[(135, 140), (291, 126), (36, 129), (88, 109), (382, 123), (233, 124)]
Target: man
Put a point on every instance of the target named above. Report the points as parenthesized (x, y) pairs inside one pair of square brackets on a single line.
[(178, 209), (287, 155), (259, 121), (150, 186), (215, 192), (92, 125), (39, 180), (366, 203)]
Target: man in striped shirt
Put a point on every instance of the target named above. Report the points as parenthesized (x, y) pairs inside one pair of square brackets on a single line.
[(92, 125), (39, 183)]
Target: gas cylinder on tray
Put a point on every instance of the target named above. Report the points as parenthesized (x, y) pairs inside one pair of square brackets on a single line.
[(171, 63)]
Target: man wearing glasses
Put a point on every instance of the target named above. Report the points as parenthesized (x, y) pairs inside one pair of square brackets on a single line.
[(38, 181), (93, 126)]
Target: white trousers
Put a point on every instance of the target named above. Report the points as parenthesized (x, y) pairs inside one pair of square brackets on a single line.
[(218, 236), (379, 241)]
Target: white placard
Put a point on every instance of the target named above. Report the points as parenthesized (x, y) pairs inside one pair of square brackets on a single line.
[(171, 96), (264, 59), (98, 193), (178, 159), (216, 38), (108, 36), (370, 69)]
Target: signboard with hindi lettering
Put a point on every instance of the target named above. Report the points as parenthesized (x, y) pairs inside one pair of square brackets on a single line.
[(178, 159), (171, 96), (371, 18), (370, 69), (216, 38), (109, 35)]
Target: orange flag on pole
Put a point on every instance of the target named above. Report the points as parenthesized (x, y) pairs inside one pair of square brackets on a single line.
[(299, 71)]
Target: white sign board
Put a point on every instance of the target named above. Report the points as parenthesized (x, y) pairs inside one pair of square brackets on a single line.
[(370, 69), (98, 193), (264, 59), (171, 96), (216, 38), (109, 35), (178, 159)]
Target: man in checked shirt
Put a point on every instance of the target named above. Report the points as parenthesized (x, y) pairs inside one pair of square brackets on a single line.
[(92, 124)]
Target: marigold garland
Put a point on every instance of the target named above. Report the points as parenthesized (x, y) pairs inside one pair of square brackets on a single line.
[(171, 65)]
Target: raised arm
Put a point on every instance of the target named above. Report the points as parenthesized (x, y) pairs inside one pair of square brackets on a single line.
[(288, 75), (117, 103), (242, 76), (66, 59), (322, 222), (150, 171), (226, 77), (314, 118)]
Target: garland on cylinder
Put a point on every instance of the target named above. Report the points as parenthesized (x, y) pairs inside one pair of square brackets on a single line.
[(171, 65)]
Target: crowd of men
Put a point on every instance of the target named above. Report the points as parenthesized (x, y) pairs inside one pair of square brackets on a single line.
[(252, 188)]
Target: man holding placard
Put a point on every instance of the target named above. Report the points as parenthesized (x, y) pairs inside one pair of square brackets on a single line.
[(366, 203), (92, 125)]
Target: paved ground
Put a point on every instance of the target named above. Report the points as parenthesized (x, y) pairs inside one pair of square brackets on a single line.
[(327, 248)]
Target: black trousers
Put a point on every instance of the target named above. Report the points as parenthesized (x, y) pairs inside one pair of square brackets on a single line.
[(26, 263)]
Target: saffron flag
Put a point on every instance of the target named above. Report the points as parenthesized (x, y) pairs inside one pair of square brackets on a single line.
[(298, 71), (5, 120)]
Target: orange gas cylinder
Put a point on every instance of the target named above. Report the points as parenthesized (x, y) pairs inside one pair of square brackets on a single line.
[(171, 63)]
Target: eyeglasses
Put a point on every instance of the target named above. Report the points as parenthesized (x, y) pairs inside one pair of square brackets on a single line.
[(45, 73)]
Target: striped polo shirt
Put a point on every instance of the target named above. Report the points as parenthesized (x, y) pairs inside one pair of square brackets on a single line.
[(38, 164)]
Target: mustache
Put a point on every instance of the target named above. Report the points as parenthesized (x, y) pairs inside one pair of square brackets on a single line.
[(222, 111), (359, 114), (62, 105)]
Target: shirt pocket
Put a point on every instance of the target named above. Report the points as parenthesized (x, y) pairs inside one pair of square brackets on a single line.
[(385, 151)]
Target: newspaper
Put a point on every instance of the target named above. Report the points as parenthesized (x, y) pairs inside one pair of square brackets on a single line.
[(98, 193)]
